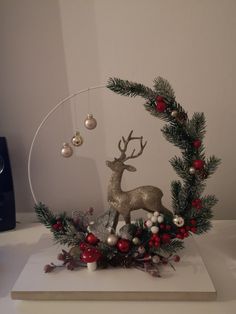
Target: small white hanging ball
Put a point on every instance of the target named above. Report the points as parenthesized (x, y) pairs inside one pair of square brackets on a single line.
[(90, 122), (136, 241), (154, 229), (149, 223), (66, 150), (178, 221), (154, 219), (156, 213), (160, 219)]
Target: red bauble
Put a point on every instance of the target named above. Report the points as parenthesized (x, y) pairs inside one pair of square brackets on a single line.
[(166, 238), (123, 245), (197, 144), (57, 226), (198, 164), (160, 106), (91, 239)]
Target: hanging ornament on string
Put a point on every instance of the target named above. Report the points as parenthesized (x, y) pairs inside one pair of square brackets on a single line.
[(66, 150), (90, 122), (77, 139)]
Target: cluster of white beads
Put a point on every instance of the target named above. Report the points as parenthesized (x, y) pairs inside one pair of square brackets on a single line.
[(154, 218)]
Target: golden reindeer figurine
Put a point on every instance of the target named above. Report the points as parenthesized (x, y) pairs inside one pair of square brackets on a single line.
[(143, 197)]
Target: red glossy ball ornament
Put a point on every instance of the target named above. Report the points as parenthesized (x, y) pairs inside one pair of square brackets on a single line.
[(123, 245), (198, 164), (197, 144), (160, 106), (91, 239)]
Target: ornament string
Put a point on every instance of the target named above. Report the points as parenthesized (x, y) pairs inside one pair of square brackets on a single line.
[(59, 104)]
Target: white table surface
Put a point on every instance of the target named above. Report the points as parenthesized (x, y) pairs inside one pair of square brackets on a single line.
[(218, 250)]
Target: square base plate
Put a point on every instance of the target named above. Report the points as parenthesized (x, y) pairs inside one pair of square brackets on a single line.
[(190, 281)]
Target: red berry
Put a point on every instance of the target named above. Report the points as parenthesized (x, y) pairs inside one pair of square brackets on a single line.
[(60, 257), (160, 106), (197, 203), (197, 144), (123, 245), (166, 238), (193, 222), (150, 243), (176, 258), (157, 243), (180, 236), (91, 239), (182, 230), (193, 229), (162, 226), (159, 99), (198, 164), (186, 234), (168, 227), (187, 228)]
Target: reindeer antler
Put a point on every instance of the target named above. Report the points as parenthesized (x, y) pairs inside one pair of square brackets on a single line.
[(123, 150)]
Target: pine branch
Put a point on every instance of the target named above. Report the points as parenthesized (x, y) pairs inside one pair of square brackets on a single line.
[(176, 187), (44, 214), (211, 165), (197, 126), (164, 89), (179, 166), (172, 247), (127, 88)]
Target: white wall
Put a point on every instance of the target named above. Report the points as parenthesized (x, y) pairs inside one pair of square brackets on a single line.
[(189, 42)]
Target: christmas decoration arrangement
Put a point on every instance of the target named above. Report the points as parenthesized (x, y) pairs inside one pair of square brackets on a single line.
[(145, 244)]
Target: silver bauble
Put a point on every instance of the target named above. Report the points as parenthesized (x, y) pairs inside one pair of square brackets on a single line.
[(178, 221), (136, 241), (112, 240), (192, 170), (77, 140), (90, 122), (174, 113), (66, 150)]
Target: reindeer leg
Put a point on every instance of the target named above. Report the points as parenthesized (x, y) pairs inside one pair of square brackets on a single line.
[(127, 219), (115, 222)]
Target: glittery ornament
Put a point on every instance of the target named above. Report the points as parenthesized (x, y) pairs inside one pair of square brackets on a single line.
[(112, 240), (77, 140), (66, 150), (178, 221), (90, 122), (91, 239)]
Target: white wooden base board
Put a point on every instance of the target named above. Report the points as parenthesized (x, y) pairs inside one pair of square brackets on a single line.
[(190, 281)]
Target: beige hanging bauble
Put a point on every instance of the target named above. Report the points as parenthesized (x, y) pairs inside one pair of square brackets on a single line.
[(66, 150), (90, 122), (77, 140)]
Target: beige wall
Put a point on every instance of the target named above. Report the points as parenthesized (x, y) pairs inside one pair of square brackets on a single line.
[(189, 42)]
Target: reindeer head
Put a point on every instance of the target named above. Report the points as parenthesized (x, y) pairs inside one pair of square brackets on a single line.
[(118, 164)]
